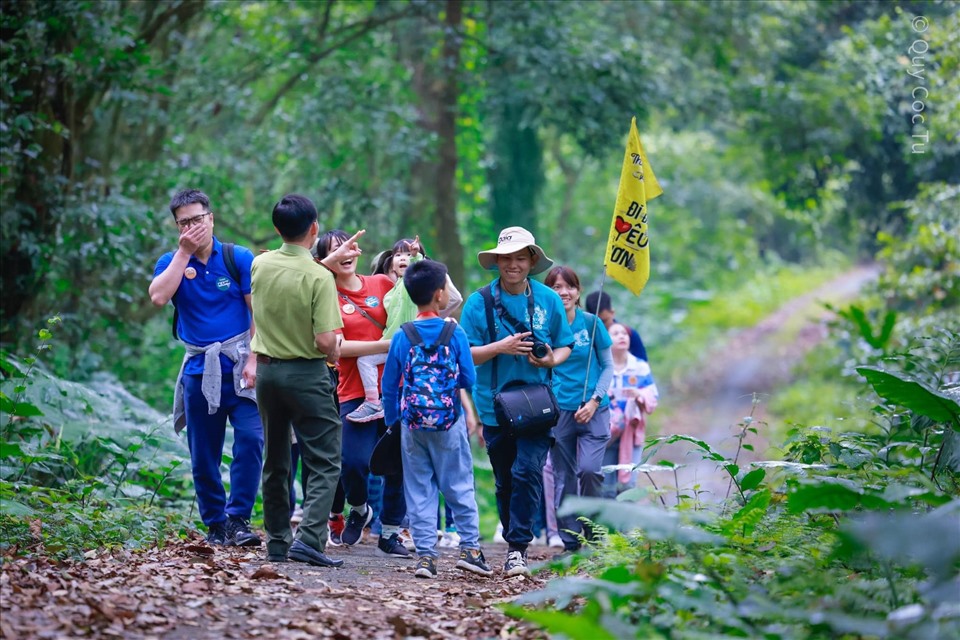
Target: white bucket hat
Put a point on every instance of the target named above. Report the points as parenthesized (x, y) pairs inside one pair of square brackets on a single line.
[(511, 240)]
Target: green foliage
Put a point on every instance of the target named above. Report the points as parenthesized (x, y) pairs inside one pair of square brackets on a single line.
[(67, 483), (756, 168), (821, 544), (858, 317), (913, 395), (923, 263)]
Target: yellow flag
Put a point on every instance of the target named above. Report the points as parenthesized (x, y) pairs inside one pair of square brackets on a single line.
[(628, 247)]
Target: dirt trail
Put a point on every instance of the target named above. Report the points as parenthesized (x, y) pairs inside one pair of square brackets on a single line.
[(711, 401), (188, 590)]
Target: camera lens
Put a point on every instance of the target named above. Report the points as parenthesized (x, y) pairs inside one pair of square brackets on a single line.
[(539, 350)]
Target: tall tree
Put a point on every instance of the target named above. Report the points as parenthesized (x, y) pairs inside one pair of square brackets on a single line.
[(60, 60), (435, 72)]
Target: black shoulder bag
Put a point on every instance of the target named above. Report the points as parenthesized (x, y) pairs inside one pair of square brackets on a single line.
[(528, 409)]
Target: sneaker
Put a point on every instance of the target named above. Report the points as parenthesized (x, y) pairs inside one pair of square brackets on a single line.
[(217, 534), (366, 412), (239, 534), (498, 534), (539, 541), (516, 564), (297, 516), (353, 529), (392, 548), (426, 567), (407, 540), (336, 524), (450, 540), (555, 542), (472, 560)]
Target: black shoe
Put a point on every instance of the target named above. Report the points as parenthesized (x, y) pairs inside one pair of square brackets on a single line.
[(563, 555), (472, 560), (239, 534), (354, 527), (426, 567), (276, 557), (392, 548), (217, 535), (302, 552)]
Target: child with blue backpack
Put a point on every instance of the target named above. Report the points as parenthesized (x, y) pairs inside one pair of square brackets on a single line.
[(428, 363)]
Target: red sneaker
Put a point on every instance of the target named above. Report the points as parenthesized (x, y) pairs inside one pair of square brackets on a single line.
[(336, 523)]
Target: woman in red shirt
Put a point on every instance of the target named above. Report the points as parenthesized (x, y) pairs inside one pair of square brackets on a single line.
[(364, 318)]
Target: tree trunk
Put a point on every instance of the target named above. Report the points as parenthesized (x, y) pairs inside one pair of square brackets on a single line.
[(449, 247), (516, 172), (433, 177)]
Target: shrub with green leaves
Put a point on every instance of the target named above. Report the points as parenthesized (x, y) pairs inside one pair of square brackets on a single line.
[(83, 466), (824, 543)]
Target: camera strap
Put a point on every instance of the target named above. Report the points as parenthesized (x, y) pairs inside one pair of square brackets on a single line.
[(491, 303)]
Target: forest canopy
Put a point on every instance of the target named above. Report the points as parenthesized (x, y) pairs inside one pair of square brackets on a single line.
[(781, 131)]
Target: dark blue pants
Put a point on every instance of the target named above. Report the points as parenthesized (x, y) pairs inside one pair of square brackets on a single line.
[(518, 471), (205, 437), (358, 442)]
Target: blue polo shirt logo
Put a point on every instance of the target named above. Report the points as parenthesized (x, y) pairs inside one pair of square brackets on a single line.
[(223, 284), (372, 301)]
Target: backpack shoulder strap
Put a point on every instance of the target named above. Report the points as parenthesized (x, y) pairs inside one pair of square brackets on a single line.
[(446, 333), (176, 318), (487, 296), (230, 261), (412, 334)]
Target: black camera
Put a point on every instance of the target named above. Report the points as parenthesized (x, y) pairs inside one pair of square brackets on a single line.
[(539, 348)]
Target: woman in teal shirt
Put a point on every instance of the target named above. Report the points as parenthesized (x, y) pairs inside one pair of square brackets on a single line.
[(584, 427)]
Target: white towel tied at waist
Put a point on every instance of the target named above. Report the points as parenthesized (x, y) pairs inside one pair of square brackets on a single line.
[(236, 349)]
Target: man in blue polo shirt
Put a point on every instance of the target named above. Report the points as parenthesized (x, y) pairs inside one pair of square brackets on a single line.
[(216, 379)]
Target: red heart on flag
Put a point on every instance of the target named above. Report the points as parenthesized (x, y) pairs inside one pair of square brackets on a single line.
[(621, 225)]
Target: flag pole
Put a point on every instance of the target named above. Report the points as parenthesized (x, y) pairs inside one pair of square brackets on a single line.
[(593, 335)]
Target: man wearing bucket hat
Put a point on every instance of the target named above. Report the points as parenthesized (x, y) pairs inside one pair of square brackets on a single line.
[(504, 354)]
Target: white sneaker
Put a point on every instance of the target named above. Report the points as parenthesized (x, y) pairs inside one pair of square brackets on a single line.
[(366, 412), (450, 540), (555, 542), (297, 516), (407, 540), (539, 541), (498, 534), (516, 565)]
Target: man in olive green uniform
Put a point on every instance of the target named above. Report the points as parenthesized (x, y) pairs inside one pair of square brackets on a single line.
[(295, 308)]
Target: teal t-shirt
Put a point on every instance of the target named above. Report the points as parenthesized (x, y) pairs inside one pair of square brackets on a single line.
[(568, 377), (549, 325)]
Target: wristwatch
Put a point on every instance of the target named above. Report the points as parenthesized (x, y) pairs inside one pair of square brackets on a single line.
[(598, 398)]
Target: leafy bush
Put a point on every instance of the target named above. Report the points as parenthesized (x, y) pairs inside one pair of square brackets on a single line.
[(821, 544), (83, 468), (923, 263)]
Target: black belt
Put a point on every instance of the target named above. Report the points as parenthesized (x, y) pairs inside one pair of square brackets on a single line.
[(262, 359)]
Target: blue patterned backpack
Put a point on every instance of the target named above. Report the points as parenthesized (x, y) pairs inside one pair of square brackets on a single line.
[(430, 389)]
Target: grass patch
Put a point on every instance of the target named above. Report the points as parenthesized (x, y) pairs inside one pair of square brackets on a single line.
[(705, 324), (817, 397)]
